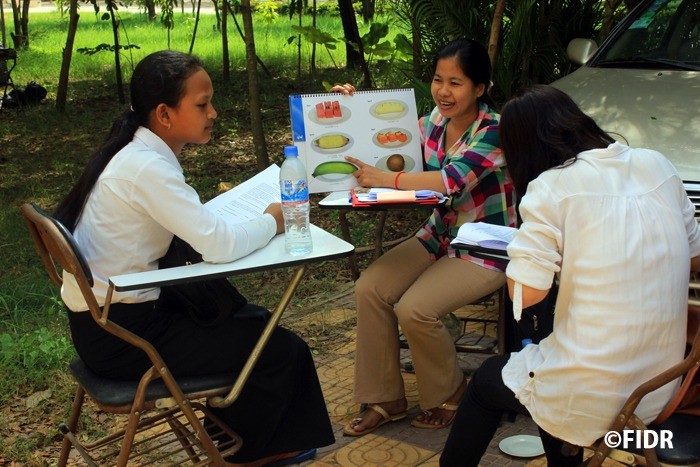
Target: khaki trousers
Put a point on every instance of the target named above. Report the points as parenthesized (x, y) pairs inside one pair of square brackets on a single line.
[(407, 287)]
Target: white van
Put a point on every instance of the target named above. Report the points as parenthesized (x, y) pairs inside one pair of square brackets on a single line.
[(643, 84)]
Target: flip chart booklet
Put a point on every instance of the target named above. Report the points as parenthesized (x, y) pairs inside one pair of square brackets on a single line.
[(377, 127)]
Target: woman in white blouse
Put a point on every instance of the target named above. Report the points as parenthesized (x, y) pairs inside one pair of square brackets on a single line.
[(124, 210), (617, 228)]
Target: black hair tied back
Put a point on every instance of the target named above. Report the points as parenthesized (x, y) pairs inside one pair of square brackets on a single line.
[(158, 79)]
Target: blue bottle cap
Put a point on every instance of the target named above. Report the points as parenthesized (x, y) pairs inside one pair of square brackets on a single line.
[(526, 341), (291, 151)]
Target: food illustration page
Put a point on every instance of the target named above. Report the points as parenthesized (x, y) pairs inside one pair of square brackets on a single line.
[(378, 127)]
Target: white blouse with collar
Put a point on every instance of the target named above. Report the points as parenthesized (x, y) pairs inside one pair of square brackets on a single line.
[(139, 201)]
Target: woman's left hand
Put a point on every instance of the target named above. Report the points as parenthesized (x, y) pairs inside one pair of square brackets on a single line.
[(370, 176), (275, 210)]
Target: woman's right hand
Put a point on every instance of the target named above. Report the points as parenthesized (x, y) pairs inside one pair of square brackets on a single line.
[(275, 209), (347, 89)]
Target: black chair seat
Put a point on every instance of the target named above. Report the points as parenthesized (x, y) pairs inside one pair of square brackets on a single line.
[(117, 393), (686, 440)]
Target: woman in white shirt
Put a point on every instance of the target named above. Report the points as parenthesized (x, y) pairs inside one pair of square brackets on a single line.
[(124, 210), (617, 228)]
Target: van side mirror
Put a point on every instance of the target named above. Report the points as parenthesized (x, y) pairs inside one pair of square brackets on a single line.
[(580, 50)]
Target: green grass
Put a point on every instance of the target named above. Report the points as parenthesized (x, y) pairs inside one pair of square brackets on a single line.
[(42, 61)]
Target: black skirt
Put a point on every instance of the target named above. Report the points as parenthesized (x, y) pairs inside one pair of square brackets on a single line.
[(281, 408)]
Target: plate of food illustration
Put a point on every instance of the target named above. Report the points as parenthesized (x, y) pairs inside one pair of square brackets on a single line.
[(331, 143), (391, 138), (328, 113), (395, 163), (389, 110), (332, 171)]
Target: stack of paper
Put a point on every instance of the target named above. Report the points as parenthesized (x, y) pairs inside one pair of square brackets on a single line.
[(360, 196), (485, 235)]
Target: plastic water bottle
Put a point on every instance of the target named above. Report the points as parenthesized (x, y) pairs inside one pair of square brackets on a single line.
[(295, 203)]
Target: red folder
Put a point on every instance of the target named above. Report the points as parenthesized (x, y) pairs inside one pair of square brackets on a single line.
[(357, 203)]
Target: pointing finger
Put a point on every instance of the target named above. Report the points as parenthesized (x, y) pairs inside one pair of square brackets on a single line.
[(357, 162)]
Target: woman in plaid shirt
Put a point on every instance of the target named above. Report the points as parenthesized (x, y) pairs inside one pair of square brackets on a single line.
[(423, 279)]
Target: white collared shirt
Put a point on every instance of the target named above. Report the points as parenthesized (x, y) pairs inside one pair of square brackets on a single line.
[(139, 201), (619, 230)]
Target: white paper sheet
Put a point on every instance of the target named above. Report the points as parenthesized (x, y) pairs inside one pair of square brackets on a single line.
[(249, 199)]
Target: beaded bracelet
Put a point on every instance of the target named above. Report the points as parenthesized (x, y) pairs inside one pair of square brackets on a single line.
[(396, 179)]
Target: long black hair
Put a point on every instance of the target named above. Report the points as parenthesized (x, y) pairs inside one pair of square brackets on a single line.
[(474, 61), (542, 128), (158, 78)]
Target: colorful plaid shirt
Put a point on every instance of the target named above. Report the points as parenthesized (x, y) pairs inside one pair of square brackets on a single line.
[(478, 185)]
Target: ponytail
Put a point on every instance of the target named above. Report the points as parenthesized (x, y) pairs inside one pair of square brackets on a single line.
[(122, 132)]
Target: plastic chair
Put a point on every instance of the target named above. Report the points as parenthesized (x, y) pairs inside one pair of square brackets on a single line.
[(165, 424), (685, 427), (6, 55)]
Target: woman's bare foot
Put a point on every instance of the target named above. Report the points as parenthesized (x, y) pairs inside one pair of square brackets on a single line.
[(441, 416), (376, 415)]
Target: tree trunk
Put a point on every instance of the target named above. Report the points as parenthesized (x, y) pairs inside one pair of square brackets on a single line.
[(261, 155), (224, 42), (347, 17), (18, 39), (240, 33), (62, 91), (416, 50), (150, 8), (367, 10), (218, 14), (25, 24), (196, 23), (3, 29), (313, 46), (609, 18), (117, 62), (300, 10), (352, 35), (496, 31)]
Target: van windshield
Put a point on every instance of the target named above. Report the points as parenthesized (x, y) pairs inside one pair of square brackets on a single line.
[(666, 34)]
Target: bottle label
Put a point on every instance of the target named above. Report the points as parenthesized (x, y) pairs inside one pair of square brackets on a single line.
[(294, 191)]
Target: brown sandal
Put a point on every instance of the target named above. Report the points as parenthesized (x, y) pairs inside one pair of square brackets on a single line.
[(427, 413), (349, 429)]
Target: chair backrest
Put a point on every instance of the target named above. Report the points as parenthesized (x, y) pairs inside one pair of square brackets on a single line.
[(59, 251)]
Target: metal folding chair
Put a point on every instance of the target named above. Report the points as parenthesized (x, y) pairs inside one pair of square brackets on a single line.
[(6, 56), (165, 424)]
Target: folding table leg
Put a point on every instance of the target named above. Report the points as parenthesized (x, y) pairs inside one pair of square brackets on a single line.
[(219, 401), (352, 259)]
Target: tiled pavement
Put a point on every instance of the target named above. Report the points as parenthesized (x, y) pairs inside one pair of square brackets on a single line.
[(396, 443)]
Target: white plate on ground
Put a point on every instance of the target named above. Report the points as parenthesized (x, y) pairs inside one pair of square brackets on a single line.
[(522, 446)]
